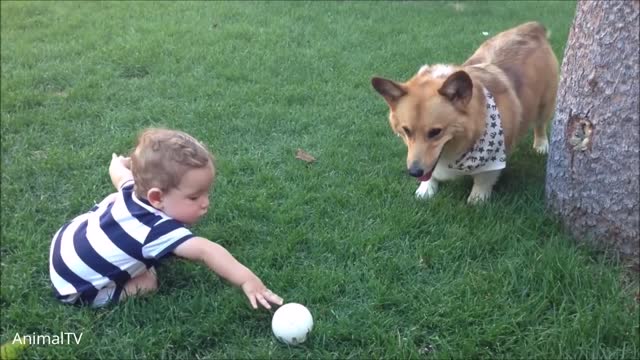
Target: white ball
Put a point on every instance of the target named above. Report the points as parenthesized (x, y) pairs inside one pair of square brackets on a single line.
[(292, 323)]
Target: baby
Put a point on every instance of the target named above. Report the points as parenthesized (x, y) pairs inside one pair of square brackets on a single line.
[(109, 253)]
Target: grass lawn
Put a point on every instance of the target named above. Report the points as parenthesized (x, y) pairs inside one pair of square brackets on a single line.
[(385, 275)]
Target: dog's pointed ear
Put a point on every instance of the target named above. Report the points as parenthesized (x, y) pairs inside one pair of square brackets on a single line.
[(390, 90), (457, 89)]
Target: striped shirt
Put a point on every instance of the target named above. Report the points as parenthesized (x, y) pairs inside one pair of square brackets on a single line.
[(115, 241)]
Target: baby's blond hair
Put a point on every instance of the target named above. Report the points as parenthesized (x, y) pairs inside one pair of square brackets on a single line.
[(163, 156)]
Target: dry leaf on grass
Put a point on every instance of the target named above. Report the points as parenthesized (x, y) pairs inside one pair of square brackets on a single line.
[(302, 155)]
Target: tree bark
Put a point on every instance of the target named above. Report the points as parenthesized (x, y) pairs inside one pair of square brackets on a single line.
[(593, 168)]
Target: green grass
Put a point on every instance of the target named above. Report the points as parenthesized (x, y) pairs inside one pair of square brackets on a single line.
[(385, 275)]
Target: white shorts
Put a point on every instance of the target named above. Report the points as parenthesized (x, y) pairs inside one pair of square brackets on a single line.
[(106, 295)]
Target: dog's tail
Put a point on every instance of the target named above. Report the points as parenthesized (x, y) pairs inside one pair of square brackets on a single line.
[(548, 32)]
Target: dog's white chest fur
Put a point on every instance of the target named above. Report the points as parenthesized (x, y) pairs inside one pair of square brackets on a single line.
[(484, 160), (489, 152)]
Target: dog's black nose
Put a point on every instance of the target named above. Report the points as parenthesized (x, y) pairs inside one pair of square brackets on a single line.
[(415, 170)]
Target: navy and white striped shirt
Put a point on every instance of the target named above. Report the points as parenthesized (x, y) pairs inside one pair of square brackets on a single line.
[(115, 241)]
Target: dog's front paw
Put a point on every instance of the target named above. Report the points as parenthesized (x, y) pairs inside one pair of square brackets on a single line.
[(541, 146), (427, 189), (478, 197)]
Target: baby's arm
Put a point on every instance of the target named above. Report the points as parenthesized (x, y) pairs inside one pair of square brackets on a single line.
[(218, 259), (119, 170)]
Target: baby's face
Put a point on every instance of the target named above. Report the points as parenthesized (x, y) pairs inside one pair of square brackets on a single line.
[(190, 200)]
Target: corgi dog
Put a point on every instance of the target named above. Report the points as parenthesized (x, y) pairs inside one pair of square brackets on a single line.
[(465, 119)]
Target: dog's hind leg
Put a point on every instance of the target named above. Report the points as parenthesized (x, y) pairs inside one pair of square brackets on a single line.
[(547, 108), (540, 140), (483, 186)]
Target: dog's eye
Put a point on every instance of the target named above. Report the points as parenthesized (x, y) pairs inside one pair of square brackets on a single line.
[(406, 130), (433, 133)]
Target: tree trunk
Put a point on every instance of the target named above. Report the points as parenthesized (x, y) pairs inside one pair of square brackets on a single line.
[(593, 167)]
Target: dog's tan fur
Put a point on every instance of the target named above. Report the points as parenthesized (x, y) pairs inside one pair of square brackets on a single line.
[(517, 66)]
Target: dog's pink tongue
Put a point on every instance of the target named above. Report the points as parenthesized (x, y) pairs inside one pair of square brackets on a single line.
[(425, 177)]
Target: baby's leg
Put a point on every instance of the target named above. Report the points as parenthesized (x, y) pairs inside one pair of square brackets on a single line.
[(141, 284)]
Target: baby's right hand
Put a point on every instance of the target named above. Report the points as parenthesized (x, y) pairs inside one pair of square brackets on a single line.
[(257, 293), (119, 170), (117, 160)]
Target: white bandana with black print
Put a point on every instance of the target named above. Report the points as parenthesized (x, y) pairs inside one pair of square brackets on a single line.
[(488, 153)]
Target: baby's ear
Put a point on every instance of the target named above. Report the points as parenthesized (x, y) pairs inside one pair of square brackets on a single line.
[(154, 196)]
